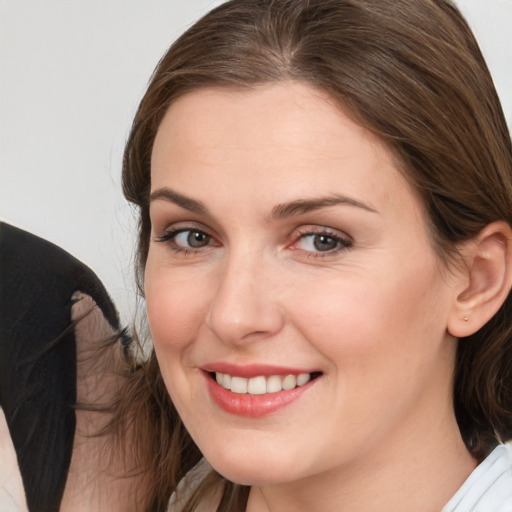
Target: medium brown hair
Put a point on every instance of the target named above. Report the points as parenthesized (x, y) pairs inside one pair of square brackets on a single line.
[(412, 73)]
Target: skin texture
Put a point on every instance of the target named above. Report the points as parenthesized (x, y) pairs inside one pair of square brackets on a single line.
[(371, 314)]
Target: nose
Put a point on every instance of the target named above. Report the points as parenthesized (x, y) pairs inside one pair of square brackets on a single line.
[(245, 307)]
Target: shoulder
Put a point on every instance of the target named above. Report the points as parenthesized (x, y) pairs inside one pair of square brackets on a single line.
[(489, 487), (179, 500)]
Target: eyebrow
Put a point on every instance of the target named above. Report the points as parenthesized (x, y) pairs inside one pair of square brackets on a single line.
[(301, 206), (178, 199), (280, 211)]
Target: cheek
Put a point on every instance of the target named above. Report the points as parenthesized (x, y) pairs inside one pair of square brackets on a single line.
[(375, 322), (175, 306), (384, 343)]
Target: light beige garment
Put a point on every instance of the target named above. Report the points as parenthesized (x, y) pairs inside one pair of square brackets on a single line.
[(188, 485)]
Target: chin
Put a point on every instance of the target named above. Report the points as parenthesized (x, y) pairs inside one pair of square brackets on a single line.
[(257, 467), (249, 474)]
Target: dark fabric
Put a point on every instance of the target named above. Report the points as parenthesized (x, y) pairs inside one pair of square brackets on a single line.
[(38, 357)]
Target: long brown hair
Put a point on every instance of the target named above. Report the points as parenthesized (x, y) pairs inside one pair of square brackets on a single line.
[(411, 72)]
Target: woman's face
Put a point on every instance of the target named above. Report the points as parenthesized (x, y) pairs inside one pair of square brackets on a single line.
[(290, 261)]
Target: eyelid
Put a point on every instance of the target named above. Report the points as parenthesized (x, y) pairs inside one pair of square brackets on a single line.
[(170, 233), (168, 237), (346, 241), (316, 229), (180, 226)]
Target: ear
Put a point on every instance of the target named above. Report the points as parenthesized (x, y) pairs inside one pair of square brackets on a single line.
[(485, 279)]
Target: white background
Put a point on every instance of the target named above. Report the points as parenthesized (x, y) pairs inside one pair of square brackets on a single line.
[(71, 76)]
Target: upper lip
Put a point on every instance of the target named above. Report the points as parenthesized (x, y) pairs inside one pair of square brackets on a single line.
[(252, 370)]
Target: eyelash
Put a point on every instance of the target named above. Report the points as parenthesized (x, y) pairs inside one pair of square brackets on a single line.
[(169, 237), (341, 243)]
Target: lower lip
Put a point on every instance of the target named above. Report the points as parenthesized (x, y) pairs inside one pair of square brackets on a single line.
[(253, 406)]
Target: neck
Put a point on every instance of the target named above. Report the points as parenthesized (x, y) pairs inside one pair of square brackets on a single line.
[(401, 474)]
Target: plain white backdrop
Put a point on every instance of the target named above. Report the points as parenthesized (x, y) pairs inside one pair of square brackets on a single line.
[(71, 76)]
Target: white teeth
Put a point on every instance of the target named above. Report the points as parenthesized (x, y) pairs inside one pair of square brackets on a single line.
[(274, 384), (261, 384), (289, 382), (226, 380), (257, 386), (303, 378), (239, 385)]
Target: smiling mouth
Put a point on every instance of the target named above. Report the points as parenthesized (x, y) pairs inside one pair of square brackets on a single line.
[(261, 385)]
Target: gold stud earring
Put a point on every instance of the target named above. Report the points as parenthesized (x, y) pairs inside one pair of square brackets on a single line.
[(466, 319)]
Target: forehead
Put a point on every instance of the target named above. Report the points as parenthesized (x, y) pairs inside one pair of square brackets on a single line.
[(291, 113), (286, 139)]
